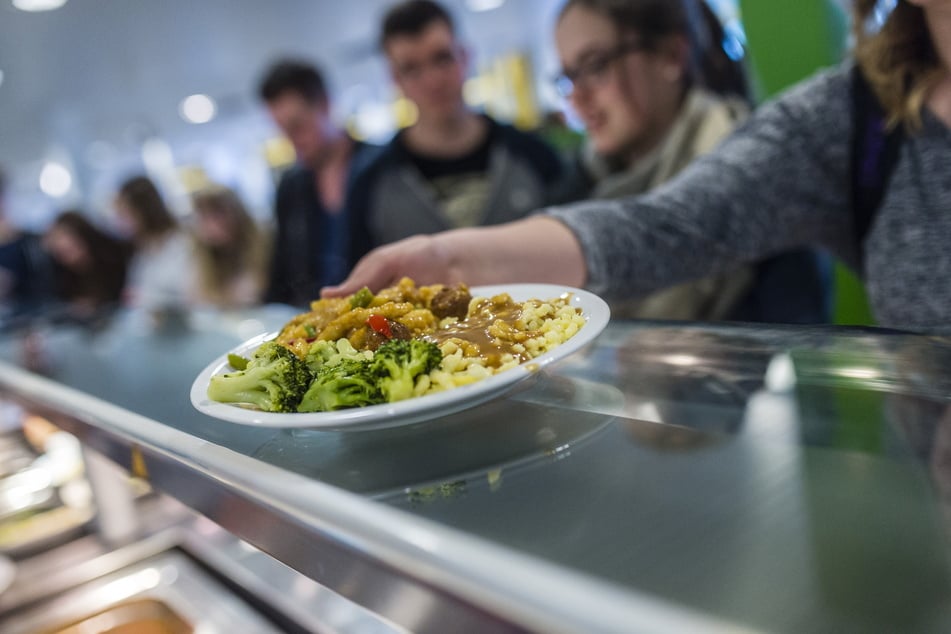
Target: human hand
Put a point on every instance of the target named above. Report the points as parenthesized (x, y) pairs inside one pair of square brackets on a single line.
[(423, 258), (537, 249)]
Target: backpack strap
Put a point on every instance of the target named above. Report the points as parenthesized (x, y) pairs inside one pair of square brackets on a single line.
[(874, 155)]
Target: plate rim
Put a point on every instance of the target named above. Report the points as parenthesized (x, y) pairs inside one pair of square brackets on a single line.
[(595, 311)]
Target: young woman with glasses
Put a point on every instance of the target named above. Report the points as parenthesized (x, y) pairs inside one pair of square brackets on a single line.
[(636, 71), (646, 79)]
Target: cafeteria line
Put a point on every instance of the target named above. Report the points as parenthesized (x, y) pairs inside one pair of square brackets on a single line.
[(414, 316)]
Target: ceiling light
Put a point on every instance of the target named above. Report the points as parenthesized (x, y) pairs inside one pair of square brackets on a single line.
[(55, 180), (197, 109), (484, 5), (38, 5)]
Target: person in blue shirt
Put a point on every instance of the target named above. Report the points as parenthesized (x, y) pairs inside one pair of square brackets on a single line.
[(310, 242)]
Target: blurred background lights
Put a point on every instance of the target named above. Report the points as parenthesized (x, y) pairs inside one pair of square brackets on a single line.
[(55, 180), (374, 121), (733, 47), (484, 5), (876, 20), (157, 156), (197, 108), (478, 90), (38, 5)]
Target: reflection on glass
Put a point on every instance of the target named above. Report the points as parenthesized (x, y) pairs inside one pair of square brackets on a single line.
[(476, 443)]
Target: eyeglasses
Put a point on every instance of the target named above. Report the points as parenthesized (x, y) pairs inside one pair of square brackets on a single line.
[(594, 71), (439, 60)]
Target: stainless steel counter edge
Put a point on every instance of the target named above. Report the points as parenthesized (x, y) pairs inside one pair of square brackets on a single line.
[(413, 572)]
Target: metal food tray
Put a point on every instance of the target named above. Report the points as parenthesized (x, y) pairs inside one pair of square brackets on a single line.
[(143, 616), (165, 594)]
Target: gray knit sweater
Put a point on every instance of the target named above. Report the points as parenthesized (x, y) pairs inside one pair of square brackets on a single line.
[(782, 181)]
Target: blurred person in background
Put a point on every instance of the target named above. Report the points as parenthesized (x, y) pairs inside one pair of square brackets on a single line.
[(792, 175), (89, 265), (25, 272), (311, 207), (163, 262), (652, 84), (453, 167), (654, 88), (230, 250), (8, 232)]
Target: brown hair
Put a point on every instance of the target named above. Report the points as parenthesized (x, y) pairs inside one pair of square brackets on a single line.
[(654, 20), (293, 76), (145, 202), (219, 266), (898, 60), (102, 283), (411, 18)]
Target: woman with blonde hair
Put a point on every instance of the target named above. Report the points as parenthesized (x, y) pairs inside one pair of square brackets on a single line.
[(854, 159), (231, 251)]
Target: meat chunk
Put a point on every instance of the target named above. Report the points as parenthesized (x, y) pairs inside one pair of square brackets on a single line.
[(397, 331), (451, 302)]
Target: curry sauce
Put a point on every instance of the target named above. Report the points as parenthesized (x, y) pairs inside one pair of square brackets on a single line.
[(489, 332)]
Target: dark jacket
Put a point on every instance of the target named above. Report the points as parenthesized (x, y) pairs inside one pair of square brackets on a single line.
[(26, 273), (392, 199), (310, 244)]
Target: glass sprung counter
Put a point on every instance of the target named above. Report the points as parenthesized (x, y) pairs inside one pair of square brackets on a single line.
[(664, 477)]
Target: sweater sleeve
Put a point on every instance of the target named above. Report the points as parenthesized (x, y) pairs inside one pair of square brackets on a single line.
[(780, 181)]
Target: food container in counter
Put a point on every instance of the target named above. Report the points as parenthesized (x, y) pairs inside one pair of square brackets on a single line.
[(146, 616), (165, 594)]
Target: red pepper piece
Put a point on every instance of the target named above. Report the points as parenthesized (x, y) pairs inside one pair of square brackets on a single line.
[(380, 324)]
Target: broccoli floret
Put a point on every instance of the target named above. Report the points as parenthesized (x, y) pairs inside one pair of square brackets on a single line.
[(362, 298), (318, 354), (323, 353), (237, 362), (398, 362), (274, 380), (346, 384)]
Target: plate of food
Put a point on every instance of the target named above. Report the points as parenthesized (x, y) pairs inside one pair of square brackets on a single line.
[(405, 354)]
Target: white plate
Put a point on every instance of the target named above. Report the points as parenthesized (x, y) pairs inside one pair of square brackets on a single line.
[(594, 310)]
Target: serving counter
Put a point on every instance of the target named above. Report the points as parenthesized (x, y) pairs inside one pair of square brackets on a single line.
[(667, 478)]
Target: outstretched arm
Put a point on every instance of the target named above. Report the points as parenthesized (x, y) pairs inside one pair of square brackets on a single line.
[(537, 249), (779, 182)]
